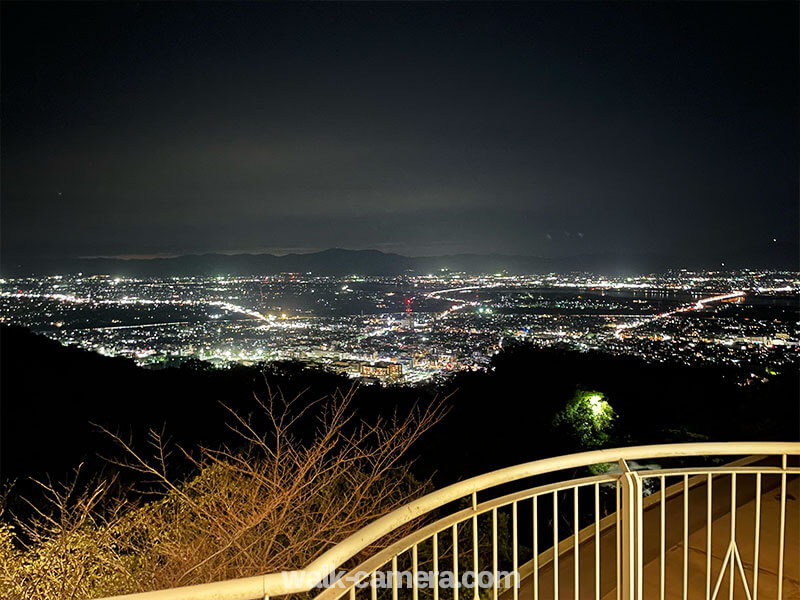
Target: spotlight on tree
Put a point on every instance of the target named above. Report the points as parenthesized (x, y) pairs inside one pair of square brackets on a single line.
[(588, 417)]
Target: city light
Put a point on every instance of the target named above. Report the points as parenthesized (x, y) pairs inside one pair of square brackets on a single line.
[(458, 322)]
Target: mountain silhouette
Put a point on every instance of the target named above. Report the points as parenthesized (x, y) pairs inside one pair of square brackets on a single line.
[(339, 262)]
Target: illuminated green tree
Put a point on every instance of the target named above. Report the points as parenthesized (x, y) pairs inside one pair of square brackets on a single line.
[(587, 418)]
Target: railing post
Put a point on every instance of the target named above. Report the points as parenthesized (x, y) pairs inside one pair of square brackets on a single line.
[(631, 534)]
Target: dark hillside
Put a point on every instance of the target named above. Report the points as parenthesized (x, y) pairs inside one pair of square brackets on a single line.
[(52, 394)]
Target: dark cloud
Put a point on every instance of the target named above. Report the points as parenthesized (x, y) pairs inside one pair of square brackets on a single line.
[(425, 128)]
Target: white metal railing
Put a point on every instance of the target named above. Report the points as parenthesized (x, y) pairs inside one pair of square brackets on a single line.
[(623, 534)]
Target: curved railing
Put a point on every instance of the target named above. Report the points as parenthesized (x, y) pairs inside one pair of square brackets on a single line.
[(613, 531)]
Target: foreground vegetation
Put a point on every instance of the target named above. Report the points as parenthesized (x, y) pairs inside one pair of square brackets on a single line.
[(270, 504), (287, 478)]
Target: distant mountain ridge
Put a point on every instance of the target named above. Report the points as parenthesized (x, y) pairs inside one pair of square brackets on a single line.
[(338, 261)]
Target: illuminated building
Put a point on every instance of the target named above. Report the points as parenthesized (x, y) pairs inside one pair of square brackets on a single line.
[(385, 371)]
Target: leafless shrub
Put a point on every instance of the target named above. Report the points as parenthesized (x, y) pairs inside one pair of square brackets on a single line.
[(272, 504), (68, 547)]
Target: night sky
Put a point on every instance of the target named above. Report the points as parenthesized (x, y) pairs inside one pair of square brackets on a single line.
[(544, 129)]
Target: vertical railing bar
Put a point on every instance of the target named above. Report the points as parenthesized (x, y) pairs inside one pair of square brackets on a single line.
[(733, 534), (475, 545), (555, 544), (782, 538), (494, 553), (662, 552), (435, 558), (685, 537), (536, 548), (709, 491), (638, 493), (394, 578), (353, 593), (414, 562), (597, 541), (514, 551), (619, 542), (631, 537), (455, 561), (756, 535), (576, 548), (475, 555)]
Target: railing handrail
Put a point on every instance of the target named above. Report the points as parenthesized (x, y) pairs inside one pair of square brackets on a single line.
[(303, 580)]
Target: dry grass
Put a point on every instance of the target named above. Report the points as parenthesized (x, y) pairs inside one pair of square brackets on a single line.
[(271, 504)]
